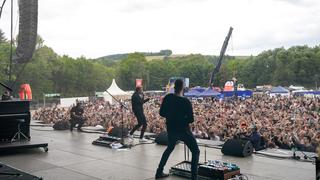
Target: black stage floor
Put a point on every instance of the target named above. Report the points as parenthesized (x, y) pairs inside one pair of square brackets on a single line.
[(71, 156)]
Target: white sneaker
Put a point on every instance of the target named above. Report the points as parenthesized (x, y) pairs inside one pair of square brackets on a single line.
[(143, 140)]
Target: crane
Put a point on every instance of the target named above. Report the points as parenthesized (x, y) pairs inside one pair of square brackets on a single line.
[(222, 52)]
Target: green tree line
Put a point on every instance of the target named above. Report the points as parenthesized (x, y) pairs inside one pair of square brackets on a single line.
[(298, 65), (48, 72)]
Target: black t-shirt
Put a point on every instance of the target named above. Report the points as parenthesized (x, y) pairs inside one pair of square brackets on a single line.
[(137, 101), (78, 110), (178, 113)]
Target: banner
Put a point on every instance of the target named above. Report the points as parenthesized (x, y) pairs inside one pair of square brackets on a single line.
[(52, 95), (98, 94), (228, 86)]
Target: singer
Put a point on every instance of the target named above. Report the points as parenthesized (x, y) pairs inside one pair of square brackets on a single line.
[(179, 114), (137, 101)]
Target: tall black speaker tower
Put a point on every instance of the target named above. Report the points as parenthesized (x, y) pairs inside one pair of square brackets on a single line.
[(28, 24)]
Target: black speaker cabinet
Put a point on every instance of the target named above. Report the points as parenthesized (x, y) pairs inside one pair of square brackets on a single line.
[(117, 132), (237, 147), (162, 138)]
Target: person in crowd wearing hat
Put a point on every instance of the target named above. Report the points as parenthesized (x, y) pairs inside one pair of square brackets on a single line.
[(137, 101), (179, 114)]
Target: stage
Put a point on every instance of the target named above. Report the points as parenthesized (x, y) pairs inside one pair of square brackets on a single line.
[(71, 156)]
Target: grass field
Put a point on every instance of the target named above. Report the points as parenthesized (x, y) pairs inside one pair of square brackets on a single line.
[(150, 58)]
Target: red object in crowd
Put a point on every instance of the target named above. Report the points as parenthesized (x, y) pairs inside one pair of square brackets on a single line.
[(109, 129), (25, 92)]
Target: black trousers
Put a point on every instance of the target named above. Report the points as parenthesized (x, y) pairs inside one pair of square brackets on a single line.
[(142, 121), (188, 138), (74, 121)]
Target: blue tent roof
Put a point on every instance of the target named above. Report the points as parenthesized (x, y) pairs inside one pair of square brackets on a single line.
[(245, 93), (199, 89), (279, 89), (209, 92), (307, 92), (192, 93)]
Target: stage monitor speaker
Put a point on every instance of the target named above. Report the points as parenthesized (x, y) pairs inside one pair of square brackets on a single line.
[(61, 125), (117, 132), (162, 138), (237, 147)]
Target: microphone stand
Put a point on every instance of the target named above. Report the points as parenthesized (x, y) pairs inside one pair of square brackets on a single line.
[(121, 106), (305, 156), (294, 156), (7, 87)]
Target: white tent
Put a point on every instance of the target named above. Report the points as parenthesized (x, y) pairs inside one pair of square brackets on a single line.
[(114, 90), (292, 87)]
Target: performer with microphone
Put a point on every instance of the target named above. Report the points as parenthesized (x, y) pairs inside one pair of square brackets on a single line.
[(179, 114), (137, 101)]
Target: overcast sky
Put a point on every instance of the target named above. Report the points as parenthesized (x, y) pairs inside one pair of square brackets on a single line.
[(94, 28)]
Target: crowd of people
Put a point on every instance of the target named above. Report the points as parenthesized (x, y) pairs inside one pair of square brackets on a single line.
[(277, 122)]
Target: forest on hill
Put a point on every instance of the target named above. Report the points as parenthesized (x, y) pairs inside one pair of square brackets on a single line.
[(48, 72)]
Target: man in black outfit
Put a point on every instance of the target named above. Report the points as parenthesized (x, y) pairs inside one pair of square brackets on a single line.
[(179, 114), (137, 101), (76, 113)]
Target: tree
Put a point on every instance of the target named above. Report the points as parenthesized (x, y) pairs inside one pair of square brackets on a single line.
[(39, 42), (132, 68), (37, 73), (4, 61), (48, 72), (166, 52), (197, 68), (2, 37), (159, 73)]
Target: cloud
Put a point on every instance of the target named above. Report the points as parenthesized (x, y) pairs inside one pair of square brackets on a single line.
[(97, 28), (307, 3), (130, 6)]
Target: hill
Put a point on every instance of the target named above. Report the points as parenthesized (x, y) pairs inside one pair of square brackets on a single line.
[(155, 55)]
